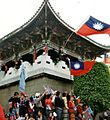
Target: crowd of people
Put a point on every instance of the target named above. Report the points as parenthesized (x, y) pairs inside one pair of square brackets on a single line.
[(47, 106)]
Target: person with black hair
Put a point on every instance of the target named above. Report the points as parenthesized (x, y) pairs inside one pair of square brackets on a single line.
[(14, 102), (59, 104), (41, 116), (22, 106)]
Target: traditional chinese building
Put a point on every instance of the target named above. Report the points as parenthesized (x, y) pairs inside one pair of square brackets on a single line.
[(44, 29)]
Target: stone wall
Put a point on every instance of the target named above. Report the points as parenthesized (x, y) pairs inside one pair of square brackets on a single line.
[(34, 85)]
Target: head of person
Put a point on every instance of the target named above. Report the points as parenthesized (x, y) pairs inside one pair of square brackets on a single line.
[(26, 97), (57, 93), (40, 112), (64, 94), (85, 107), (16, 94), (31, 99), (37, 95), (22, 95)]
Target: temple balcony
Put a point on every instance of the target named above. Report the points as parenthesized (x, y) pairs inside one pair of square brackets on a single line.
[(43, 64)]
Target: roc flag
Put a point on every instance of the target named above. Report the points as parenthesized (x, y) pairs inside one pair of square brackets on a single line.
[(93, 26), (80, 68), (23, 77)]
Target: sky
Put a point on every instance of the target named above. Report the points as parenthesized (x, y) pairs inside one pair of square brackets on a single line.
[(14, 13)]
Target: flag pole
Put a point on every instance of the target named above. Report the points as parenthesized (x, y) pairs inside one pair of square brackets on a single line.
[(67, 40), (75, 31), (81, 24), (69, 67), (71, 77)]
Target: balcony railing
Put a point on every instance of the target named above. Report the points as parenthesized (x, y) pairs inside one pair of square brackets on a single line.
[(43, 64)]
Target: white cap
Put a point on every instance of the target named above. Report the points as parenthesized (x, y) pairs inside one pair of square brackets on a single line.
[(37, 94)]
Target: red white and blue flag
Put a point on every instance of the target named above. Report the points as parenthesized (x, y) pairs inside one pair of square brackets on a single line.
[(93, 26), (79, 68)]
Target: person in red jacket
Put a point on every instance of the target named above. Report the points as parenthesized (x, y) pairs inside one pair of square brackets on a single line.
[(2, 116), (71, 107), (48, 104)]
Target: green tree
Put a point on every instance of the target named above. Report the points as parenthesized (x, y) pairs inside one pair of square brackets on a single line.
[(94, 87)]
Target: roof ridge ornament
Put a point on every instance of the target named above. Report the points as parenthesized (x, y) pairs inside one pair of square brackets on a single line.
[(46, 1)]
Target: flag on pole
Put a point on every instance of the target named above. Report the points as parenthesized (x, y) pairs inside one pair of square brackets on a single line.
[(80, 68), (23, 77), (93, 26)]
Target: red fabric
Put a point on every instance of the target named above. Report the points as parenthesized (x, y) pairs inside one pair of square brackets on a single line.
[(45, 49), (22, 94), (79, 109), (48, 102), (87, 67), (12, 117), (71, 106), (85, 31), (78, 100), (34, 55), (30, 110), (2, 116)]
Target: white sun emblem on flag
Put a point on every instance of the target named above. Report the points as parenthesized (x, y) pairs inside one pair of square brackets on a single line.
[(76, 65), (98, 26)]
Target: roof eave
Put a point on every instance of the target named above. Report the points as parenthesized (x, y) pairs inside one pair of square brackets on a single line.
[(60, 20), (73, 30)]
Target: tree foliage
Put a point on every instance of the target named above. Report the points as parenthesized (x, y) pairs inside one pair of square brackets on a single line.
[(94, 87)]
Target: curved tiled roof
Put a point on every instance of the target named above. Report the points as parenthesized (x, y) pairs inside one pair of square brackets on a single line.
[(46, 17)]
